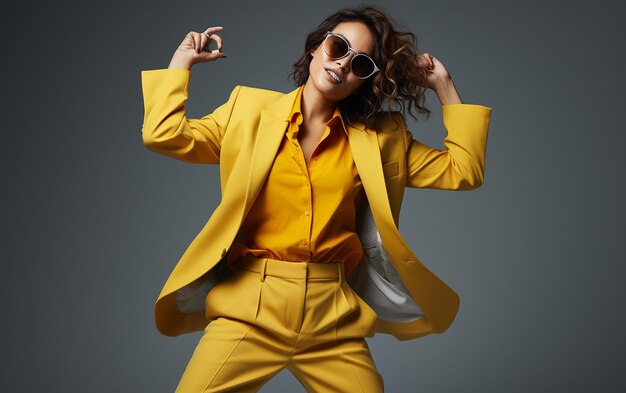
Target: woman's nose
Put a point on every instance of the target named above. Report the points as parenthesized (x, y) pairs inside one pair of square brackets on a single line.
[(344, 63)]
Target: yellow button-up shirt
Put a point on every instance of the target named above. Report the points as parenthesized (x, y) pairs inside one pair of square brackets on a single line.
[(307, 212)]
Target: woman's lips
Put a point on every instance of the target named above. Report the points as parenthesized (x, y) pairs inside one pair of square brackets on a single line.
[(330, 78)]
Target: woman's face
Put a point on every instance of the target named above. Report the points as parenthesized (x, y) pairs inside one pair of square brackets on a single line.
[(361, 39)]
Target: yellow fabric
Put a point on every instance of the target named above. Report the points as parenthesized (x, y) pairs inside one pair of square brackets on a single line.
[(307, 212), (273, 315), (388, 159)]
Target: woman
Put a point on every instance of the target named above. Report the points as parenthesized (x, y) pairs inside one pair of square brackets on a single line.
[(303, 259)]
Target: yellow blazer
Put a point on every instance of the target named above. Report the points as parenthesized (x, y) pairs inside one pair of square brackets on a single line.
[(243, 136)]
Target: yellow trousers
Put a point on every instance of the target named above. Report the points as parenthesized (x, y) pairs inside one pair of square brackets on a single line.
[(274, 314)]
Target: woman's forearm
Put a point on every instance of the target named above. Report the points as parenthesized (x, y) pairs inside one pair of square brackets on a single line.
[(447, 93), (181, 61)]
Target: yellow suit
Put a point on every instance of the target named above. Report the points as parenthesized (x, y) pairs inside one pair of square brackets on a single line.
[(243, 136)]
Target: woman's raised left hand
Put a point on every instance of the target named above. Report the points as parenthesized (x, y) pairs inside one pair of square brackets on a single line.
[(437, 75)]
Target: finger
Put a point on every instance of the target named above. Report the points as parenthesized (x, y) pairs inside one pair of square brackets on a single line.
[(423, 60), (212, 56), (217, 53), (204, 39), (193, 41), (198, 42), (188, 39), (218, 41), (428, 58), (212, 30), (213, 37), (211, 33)]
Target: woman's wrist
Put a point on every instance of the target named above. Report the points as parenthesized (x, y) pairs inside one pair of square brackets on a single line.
[(179, 61), (447, 93)]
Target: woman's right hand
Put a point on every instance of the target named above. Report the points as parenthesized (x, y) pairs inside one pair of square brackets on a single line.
[(194, 49)]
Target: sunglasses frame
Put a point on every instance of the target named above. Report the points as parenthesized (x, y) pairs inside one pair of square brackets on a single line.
[(329, 33)]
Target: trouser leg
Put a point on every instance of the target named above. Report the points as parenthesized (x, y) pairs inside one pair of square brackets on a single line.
[(233, 356), (342, 366)]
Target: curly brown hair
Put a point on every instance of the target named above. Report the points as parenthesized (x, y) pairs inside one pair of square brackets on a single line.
[(400, 79)]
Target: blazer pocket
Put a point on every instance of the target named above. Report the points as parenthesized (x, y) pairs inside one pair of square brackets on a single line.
[(391, 168)]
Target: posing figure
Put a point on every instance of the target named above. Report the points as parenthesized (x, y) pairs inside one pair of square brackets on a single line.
[(302, 259)]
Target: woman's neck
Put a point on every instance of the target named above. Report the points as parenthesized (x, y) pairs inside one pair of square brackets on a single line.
[(316, 109)]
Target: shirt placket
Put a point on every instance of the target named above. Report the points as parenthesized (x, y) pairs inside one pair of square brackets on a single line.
[(304, 194), (306, 190)]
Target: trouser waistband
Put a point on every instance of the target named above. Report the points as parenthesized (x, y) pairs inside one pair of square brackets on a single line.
[(290, 269)]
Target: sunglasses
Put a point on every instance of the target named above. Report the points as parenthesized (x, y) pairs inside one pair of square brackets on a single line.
[(336, 47)]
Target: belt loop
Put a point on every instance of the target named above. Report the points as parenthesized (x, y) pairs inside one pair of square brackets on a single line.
[(263, 269)]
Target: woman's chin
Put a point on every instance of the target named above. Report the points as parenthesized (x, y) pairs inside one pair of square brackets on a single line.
[(332, 91)]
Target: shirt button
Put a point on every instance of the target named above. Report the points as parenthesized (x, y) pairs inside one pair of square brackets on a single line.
[(304, 242), (306, 183), (306, 212)]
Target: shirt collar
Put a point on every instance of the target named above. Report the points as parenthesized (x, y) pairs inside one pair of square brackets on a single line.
[(297, 118)]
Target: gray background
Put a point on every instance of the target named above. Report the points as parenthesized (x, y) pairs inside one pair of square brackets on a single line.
[(93, 222)]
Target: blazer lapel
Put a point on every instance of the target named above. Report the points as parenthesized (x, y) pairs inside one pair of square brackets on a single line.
[(272, 125), (366, 154)]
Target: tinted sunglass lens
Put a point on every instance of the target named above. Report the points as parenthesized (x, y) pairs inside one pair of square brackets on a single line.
[(362, 66), (335, 46)]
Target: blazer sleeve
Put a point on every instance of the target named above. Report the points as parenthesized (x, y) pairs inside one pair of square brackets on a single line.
[(460, 166), (166, 128)]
